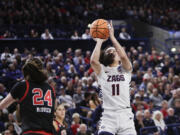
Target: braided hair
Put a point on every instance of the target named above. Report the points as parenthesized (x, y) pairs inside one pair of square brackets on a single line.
[(33, 70)]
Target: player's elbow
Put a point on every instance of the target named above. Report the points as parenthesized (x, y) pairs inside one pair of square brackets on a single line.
[(93, 62), (129, 68)]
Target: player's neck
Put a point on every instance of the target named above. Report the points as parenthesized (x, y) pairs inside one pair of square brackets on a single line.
[(59, 120), (113, 65)]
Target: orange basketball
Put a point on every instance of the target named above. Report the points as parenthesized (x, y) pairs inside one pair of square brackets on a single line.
[(99, 29)]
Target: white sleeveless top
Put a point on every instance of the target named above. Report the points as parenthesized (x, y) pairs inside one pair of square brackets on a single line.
[(114, 83)]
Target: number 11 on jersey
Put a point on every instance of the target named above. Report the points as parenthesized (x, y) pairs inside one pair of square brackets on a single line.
[(115, 89)]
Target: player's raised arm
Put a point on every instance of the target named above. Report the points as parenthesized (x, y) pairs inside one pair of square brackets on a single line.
[(95, 64), (120, 51)]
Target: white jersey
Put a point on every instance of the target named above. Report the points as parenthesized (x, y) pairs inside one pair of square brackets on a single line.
[(115, 87)]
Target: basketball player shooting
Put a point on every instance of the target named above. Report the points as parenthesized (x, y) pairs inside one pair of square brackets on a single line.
[(113, 69)]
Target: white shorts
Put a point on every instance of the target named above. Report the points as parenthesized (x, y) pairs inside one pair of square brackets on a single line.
[(120, 122)]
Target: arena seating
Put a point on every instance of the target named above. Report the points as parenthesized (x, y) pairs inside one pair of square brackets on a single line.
[(70, 68)]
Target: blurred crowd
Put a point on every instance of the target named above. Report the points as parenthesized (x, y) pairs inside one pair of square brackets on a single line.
[(155, 88), (46, 35), (75, 14)]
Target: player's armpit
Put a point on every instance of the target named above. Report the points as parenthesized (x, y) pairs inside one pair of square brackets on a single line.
[(7, 101)]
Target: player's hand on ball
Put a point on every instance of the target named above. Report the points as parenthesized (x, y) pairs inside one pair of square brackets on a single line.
[(111, 29), (99, 40)]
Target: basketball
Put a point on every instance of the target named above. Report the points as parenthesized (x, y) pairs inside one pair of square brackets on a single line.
[(99, 29)]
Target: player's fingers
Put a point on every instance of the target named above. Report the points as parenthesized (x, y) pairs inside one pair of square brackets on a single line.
[(111, 23), (109, 26)]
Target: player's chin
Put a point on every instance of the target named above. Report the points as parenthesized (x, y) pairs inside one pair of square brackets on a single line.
[(110, 61)]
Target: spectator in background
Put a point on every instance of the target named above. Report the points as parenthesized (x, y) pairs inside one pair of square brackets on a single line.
[(76, 56), (13, 73), (85, 103), (78, 97), (164, 108), (177, 107), (75, 123), (156, 98), (151, 106), (46, 35), (139, 121), (7, 132), (140, 49), (81, 70), (33, 34), (87, 57), (171, 119), (90, 87), (6, 55), (94, 102), (72, 71), (165, 67), (124, 35), (148, 75), (175, 95), (143, 84), (15, 53), (86, 35), (70, 90), (159, 120), (52, 83), (177, 66), (83, 130), (176, 82), (63, 81), (49, 69), (167, 95), (3, 91), (59, 122), (148, 121), (7, 34), (65, 99), (10, 127), (138, 105), (16, 125), (143, 95), (75, 36)]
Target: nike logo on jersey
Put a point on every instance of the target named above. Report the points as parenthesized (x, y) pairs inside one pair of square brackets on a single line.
[(115, 78)]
